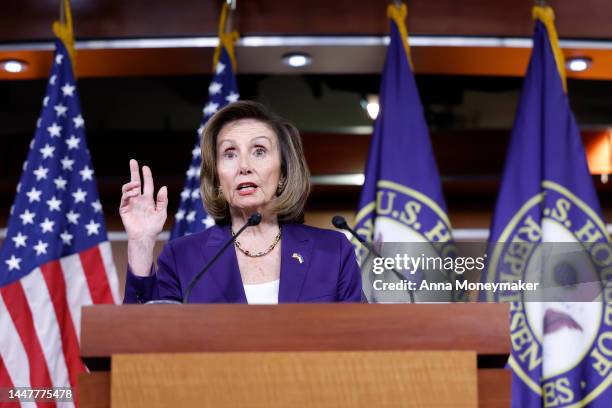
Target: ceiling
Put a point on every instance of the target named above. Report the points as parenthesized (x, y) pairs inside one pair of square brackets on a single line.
[(470, 37)]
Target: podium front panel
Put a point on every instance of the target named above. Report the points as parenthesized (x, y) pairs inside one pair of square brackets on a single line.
[(295, 379)]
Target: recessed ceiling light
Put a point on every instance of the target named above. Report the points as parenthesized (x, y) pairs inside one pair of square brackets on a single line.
[(296, 59), (578, 64), (13, 66)]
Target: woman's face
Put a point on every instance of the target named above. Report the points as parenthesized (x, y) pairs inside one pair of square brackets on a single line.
[(248, 164)]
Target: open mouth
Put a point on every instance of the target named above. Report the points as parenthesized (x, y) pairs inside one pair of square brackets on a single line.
[(555, 320), (246, 188)]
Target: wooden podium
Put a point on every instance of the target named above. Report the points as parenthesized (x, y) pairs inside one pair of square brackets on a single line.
[(298, 355)]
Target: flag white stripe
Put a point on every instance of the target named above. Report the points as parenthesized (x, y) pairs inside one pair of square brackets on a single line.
[(109, 268), (12, 352), (46, 326), (77, 291)]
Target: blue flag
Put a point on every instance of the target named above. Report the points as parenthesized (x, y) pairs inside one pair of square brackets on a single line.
[(401, 200), (191, 216), (561, 351)]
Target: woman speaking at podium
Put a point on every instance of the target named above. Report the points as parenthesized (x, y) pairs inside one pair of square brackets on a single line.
[(252, 162)]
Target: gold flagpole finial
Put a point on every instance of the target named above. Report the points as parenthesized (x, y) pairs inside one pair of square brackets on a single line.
[(547, 16), (63, 29), (227, 35)]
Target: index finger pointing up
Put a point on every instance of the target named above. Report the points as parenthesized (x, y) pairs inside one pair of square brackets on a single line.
[(134, 171)]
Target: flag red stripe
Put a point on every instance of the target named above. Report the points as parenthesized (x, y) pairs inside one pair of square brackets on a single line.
[(19, 309), (54, 278), (93, 266), (5, 379)]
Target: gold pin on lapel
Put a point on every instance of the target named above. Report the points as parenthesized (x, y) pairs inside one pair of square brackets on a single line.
[(298, 257)]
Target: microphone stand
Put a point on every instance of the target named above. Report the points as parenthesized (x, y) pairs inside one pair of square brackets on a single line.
[(254, 219), (340, 222)]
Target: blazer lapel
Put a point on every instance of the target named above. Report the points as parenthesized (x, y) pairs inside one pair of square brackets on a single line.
[(296, 250), (225, 271)]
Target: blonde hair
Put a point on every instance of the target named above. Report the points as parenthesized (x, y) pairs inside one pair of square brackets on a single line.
[(291, 198)]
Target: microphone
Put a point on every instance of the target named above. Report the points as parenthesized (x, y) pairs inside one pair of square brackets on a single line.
[(254, 219), (340, 222)]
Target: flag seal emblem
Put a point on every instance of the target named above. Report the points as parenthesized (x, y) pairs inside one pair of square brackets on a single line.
[(403, 214), (400, 214), (563, 376)]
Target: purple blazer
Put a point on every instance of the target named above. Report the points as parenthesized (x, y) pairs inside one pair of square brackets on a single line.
[(329, 271)]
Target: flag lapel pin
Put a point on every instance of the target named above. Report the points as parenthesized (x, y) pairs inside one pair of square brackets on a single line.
[(298, 257)]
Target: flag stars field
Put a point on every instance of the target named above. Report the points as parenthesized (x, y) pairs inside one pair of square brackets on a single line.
[(210, 108), (60, 183), (47, 225), (232, 97), (60, 110), (54, 130), (41, 173), (208, 221), (86, 174), (219, 68), (191, 216), (68, 90), (41, 248), (92, 228), (186, 193), (54, 204), (66, 237), (78, 121), (223, 89), (67, 163), (73, 142), (13, 262), (79, 196), (27, 217), (193, 172), (20, 240), (33, 195), (97, 207), (47, 151), (214, 88), (73, 217)]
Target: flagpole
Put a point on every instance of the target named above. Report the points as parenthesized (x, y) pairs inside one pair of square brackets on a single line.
[(229, 23)]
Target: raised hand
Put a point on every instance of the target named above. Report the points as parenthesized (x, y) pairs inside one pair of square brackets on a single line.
[(143, 217)]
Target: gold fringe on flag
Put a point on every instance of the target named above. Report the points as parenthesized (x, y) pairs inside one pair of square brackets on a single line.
[(398, 14), (63, 30), (547, 16), (226, 39)]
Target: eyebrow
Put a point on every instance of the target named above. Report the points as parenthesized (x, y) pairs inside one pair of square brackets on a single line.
[(233, 141), (262, 137)]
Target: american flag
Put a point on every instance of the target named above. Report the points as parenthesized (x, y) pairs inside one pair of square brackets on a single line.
[(191, 216), (56, 257)]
